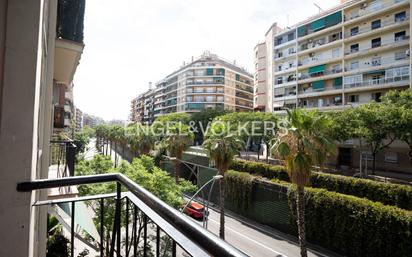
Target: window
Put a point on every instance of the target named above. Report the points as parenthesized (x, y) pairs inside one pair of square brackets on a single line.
[(391, 157), (354, 98), (354, 31), (354, 48), (376, 24), (291, 36), (400, 16), (279, 67), (376, 61), (400, 36), (279, 41), (376, 42), (291, 50), (279, 80), (400, 56), (320, 102), (353, 81), (354, 65), (337, 100)]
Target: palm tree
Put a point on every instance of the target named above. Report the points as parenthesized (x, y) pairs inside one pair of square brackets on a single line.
[(302, 143), (177, 138), (140, 138), (222, 146)]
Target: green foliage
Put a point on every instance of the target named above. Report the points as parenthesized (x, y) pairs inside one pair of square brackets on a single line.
[(82, 138), (261, 169), (304, 142), (177, 138), (355, 226), (57, 245), (391, 194), (201, 120), (239, 188)]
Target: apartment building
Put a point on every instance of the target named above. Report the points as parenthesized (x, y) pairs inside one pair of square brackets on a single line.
[(78, 119), (206, 82), (343, 57)]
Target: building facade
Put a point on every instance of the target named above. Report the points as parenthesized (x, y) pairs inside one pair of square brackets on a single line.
[(78, 119), (207, 82), (343, 57)]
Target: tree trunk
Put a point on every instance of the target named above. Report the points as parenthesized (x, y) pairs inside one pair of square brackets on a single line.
[(107, 146), (176, 164), (300, 207), (115, 155), (267, 153), (373, 163), (222, 206)]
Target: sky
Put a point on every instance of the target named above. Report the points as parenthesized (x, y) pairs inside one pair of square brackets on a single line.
[(129, 43)]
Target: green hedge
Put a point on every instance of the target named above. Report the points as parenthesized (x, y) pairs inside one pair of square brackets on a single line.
[(391, 194), (355, 226), (346, 224), (261, 169), (239, 187)]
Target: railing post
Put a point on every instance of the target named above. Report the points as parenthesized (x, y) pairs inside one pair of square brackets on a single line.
[(101, 226), (173, 248), (118, 209), (157, 241), (144, 235), (72, 230), (127, 227), (70, 157), (135, 232)]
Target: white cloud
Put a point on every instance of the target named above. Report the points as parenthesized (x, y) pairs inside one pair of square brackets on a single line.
[(132, 42)]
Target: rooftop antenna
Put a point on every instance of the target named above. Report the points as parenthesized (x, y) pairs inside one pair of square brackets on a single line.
[(320, 9)]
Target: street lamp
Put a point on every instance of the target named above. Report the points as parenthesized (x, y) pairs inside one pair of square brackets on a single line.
[(214, 178)]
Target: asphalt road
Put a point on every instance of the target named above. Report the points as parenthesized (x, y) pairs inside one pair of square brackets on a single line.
[(255, 240)]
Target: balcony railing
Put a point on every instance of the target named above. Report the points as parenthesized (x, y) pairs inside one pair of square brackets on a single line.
[(377, 44), (321, 42), (134, 208), (369, 28), (376, 62), (320, 74), (377, 82), (374, 7), (63, 155), (319, 58)]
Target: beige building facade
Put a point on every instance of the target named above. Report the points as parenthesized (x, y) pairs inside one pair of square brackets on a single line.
[(206, 82)]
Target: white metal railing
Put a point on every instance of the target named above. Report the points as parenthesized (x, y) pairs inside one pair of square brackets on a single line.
[(377, 82), (320, 42), (319, 58), (382, 43), (376, 62), (369, 28), (372, 7)]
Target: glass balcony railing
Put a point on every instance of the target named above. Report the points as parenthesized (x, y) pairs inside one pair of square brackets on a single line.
[(384, 24), (376, 62), (372, 7), (377, 82), (376, 44)]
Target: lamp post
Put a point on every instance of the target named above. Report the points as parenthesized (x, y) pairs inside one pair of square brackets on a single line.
[(214, 178)]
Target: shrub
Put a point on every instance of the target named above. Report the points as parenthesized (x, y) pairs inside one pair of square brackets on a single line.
[(355, 226), (239, 187), (261, 169), (346, 224), (390, 194)]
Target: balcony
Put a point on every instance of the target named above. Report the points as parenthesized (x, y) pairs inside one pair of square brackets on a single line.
[(320, 42), (157, 220), (373, 8), (377, 46), (374, 62), (381, 82), (310, 75), (324, 57), (69, 39), (386, 25)]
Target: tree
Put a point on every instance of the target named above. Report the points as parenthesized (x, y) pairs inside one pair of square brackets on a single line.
[(176, 139), (222, 145), (140, 138), (377, 125), (304, 142), (201, 120), (401, 102)]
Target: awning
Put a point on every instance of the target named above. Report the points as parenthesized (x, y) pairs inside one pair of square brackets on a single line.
[(317, 69), (318, 24), (318, 85), (333, 19), (337, 83)]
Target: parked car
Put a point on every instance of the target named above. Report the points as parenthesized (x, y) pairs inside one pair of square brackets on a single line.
[(195, 210)]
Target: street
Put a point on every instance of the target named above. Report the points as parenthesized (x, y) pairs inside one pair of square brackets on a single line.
[(255, 240)]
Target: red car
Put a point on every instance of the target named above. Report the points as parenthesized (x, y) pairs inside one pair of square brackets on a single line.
[(195, 210)]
